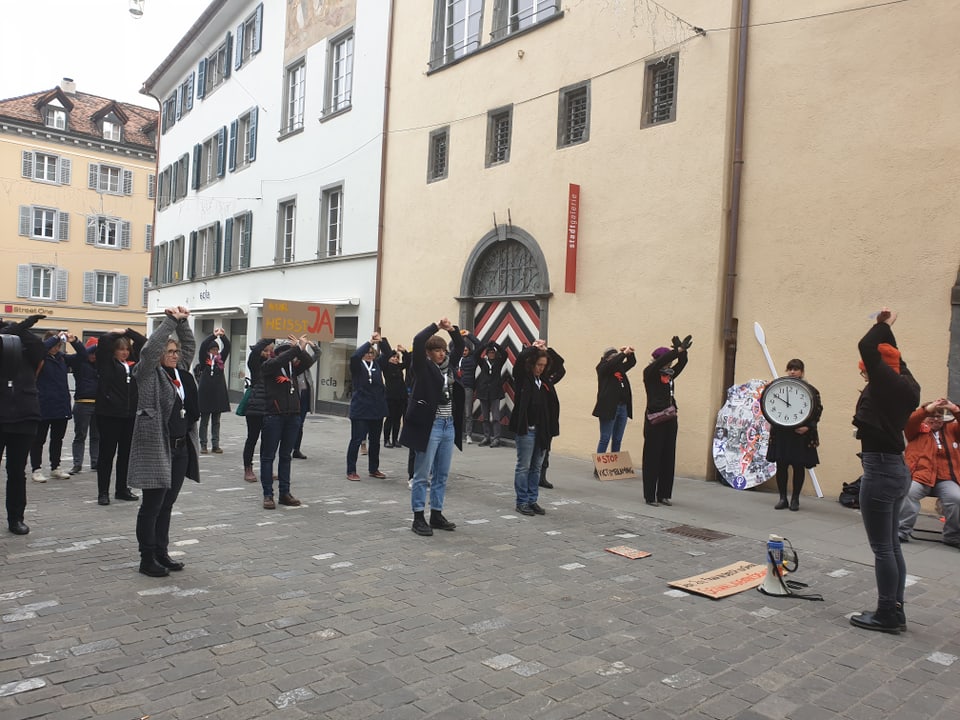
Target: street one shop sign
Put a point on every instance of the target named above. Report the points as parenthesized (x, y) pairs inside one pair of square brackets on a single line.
[(24, 310), (288, 317)]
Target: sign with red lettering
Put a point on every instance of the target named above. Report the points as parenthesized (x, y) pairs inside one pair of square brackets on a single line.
[(573, 237), (288, 317), (728, 580), (614, 466)]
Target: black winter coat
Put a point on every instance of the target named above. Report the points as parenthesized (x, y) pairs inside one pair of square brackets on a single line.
[(393, 377), (257, 404), (489, 382), (85, 378), (368, 401), (52, 384), (427, 390), (659, 393), (279, 384), (19, 404), (211, 380), (117, 391), (532, 406), (613, 390), (888, 400)]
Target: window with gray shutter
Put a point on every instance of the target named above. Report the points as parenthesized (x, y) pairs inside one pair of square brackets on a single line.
[(60, 280), (146, 290), (89, 286), (24, 276), (26, 217), (125, 235), (63, 226), (65, 171), (93, 176), (228, 245), (245, 237), (93, 224), (221, 151), (148, 242), (128, 182), (151, 186), (26, 169), (123, 294)]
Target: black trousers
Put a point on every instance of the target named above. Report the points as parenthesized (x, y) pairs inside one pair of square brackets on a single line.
[(659, 459), (153, 520), (57, 428), (254, 428), (116, 436), (391, 424), (16, 445)]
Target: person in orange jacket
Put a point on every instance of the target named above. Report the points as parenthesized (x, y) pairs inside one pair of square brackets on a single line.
[(933, 458)]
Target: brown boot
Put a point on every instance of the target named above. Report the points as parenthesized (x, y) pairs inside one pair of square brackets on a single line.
[(248, 474)]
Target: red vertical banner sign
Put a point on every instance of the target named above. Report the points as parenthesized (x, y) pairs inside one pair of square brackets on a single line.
[(573, 237)]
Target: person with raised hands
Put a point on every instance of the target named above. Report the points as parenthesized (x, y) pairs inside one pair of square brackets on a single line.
[(166, 446)]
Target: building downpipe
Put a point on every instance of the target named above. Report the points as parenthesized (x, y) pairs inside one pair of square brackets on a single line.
[(383, 168)]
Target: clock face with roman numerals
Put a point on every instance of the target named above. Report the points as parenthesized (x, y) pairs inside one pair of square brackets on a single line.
[(787, 402)]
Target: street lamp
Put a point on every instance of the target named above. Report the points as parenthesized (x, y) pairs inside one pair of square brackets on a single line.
[(136, 9)]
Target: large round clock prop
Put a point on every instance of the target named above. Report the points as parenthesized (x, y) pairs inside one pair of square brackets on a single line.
[(787, 402)]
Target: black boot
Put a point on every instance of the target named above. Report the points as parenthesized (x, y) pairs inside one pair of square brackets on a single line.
[(150, 566), (901, 617), (880, 620), (782, 488), (420, 526), (166, 561), (438, 521), (799, 474), (544, 483)]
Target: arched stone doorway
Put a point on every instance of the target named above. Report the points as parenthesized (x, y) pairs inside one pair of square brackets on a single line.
[(504, 294)]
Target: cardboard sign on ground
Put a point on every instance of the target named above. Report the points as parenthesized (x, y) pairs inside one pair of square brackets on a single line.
[(628, 552), (614, 466), (724, 581)]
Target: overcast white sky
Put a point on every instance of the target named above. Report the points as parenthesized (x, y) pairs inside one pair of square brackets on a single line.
[(95, 42)]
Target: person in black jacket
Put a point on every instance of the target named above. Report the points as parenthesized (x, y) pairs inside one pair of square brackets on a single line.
[(117, 352), (368, 403), (397, 395), (488, 389), (614, 396), (433, 423), (467, 376), (535, 421), (212, 384), (55, 407), (257, 403), (83, 365), (281, 421), (660, 439), (884, 407), (21, 353)]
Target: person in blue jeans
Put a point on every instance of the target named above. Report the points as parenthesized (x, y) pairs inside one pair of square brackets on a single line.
[(614, 396), (433, 423), (884, 407), (281, 420), (535, 420)]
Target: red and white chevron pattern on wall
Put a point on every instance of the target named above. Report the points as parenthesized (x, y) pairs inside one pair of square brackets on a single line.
[(511, 324)]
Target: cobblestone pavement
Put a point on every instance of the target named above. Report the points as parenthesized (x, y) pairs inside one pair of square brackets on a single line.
[(336, 610)]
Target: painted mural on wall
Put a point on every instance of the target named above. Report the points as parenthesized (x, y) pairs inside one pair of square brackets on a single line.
[(741, 437), (310, 21)]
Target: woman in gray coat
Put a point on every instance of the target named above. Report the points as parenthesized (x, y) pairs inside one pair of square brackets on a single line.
[(165, 442)]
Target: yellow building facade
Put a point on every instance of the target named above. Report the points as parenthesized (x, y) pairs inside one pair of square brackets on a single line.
[(79, 179), (616, 173)]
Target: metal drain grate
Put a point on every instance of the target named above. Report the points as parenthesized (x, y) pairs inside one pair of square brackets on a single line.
[(698, 533)]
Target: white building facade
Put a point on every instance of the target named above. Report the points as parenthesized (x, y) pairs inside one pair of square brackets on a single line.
[(269, 174)]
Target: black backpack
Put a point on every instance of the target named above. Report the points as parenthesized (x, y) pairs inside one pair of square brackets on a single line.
[(850, 495)]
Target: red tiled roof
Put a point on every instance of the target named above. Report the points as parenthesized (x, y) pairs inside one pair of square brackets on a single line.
[(83, 115)]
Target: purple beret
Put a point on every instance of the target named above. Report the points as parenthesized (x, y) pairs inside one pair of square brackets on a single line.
[(659, 351)]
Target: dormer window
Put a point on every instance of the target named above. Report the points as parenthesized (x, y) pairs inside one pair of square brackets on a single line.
[(112, 130), (54, 117)]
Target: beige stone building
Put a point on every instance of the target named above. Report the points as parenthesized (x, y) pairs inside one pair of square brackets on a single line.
[(79, 180), (722, 163)]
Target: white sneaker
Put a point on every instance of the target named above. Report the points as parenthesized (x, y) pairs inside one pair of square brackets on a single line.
[(59, 474), (38, 476), (469, 440), (409, 483)]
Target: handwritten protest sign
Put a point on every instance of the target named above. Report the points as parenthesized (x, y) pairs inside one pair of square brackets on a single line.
[(614, 466), (724, 581), (288, 317)]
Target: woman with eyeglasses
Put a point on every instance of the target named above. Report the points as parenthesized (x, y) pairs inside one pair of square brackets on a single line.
[(166, 445)]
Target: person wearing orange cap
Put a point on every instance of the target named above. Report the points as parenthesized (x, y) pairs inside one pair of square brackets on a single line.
[(884, 407), (933, 457)]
